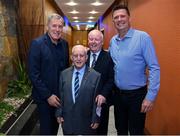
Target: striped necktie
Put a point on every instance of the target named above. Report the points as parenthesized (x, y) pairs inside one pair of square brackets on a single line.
[(94, 60), (76, 85)]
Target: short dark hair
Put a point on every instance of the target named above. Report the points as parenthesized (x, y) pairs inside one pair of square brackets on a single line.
[(121, 7)]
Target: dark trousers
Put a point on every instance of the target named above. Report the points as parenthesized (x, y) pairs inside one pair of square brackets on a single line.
[(127, 107), (48, 122), (103, 126)]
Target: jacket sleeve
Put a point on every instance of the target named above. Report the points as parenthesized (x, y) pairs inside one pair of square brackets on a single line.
[(34, 64), (95, 117), (59, 110), (108, 85)]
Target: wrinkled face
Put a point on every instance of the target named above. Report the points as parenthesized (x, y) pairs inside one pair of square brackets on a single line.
[(79, 57), (95, 41), (55, 28), (121, 19)]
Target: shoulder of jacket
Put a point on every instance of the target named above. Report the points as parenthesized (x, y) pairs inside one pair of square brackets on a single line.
[(92, 71)]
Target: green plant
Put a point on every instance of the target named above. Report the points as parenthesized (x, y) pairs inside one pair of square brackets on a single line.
[(4, 109), (20, 86)]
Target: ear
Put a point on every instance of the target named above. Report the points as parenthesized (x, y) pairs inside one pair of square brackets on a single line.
[(71, 58)]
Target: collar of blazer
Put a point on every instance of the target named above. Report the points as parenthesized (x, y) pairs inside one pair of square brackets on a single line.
[(86, 72)]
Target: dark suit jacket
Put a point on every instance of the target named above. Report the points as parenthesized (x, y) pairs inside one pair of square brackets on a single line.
[(104, 65), (43, 70), (78, 116)]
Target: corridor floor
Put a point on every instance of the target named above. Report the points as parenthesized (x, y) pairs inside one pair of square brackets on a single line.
[(111, 127)]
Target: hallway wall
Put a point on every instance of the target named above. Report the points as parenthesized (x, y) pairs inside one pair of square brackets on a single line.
[(34, 14), (160, 18)]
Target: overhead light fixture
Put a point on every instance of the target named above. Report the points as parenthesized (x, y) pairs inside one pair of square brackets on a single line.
[(76, 21), (90, 25), (91, 17), (72, 3), (97, 3), (93, 12), (74, 12), (75, 17), (89, 21)]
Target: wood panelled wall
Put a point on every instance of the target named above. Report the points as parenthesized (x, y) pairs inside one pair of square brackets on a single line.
[(80, 37), (161, 19)]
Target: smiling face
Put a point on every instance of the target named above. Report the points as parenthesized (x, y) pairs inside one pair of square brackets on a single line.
[(95, 40), (121, 20), (79, 56), (55, 28)]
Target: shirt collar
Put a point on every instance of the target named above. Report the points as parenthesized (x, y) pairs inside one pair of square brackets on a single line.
[(81, 71), (52, 41), (129, 34), (97, 53)]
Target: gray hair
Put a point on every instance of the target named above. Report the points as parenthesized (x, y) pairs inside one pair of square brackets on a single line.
[(56, 16), (79, 46), (97, 31)]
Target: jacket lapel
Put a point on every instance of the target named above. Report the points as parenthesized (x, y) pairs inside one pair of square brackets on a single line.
[(83, 82), (99, 59)]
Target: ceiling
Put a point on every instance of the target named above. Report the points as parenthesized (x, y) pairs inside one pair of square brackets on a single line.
[(83, 18)]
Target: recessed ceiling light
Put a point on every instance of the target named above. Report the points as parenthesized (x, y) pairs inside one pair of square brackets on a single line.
[(97, 3), (72, 3), (75, 17), (93, 12), (76, 21), (74, 12), (91, 17), (89, 21)]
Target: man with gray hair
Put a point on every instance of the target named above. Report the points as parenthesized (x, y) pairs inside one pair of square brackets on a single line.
[(48, 56)]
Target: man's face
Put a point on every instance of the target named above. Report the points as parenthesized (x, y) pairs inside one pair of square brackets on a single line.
[(121, 19), (79, 57), (55, 28), (95, 41)]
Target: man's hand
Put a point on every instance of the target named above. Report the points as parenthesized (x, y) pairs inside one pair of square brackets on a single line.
[(94, 125), (100, 99), (60, 120), (54, 101), (147, 105)]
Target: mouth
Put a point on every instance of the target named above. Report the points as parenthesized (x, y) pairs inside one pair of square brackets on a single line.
[(93, 45), (78, 63)]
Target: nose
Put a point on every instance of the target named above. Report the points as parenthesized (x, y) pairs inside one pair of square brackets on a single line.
[(78, 57), (57, 28), (119, 18)]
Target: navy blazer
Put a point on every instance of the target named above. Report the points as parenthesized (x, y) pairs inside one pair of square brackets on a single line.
[(43, 71), (104, 65)]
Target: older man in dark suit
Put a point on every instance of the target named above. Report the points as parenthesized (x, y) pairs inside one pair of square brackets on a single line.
[(100, 60), (48, 56), (78, 113)]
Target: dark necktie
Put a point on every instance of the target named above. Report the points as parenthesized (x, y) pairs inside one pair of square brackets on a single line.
[(94, 60), (76, 85)]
